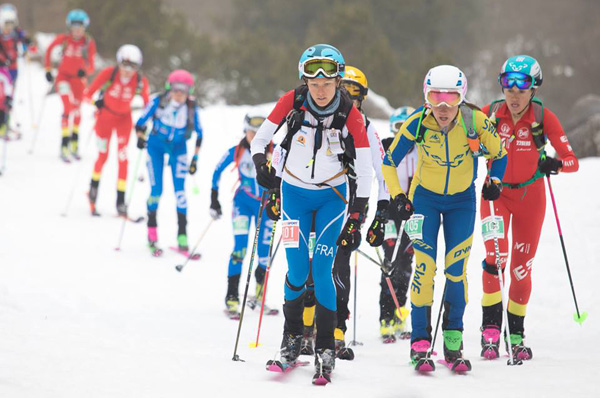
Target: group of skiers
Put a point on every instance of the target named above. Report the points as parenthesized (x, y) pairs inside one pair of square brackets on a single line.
[(316, 185)]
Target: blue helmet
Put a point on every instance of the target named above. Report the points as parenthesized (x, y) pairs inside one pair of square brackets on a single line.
[(524, 64), (322, 52), (399, 116), (78, 16)]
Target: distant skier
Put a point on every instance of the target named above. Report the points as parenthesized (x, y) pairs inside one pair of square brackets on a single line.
[(77, 62), (175, 116), (118, 85), (13, 39)]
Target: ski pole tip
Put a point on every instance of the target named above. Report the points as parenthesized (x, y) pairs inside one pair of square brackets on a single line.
[(254, 345), (179, 267), (580, 318)]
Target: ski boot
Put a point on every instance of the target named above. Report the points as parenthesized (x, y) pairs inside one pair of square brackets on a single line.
[(74, 144), (182, 242), (400, 318), (453, 356), (259, 275), (324, 365), (419, 357), (341, 351), (64, 150), (308, 340), (121, 206), (153, 242), (520, 351), (490, 342), (232, 304), (388, 330), (289, 352), (92, 196)]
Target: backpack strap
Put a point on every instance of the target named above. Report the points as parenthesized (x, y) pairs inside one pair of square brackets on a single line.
[(191, 105), (537, 127), (421, 130)]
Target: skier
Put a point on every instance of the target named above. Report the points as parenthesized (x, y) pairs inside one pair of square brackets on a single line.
[(325, 139), (393, 322), (175, 115), (448, 133), (11, 37), (356, 85), (525, 125), (78, 53), (6, 93), (246, 204), (118, 85)]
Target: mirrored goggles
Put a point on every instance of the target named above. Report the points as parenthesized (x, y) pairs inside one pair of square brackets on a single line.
[(355, 90), (255, 122), (184, 88), (129, 65), (438, 98), (519, 79), (325, 66)]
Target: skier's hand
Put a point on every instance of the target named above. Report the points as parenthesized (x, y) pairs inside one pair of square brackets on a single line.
[(81, 73), (404, 206), (215, 206), (265, 174), (376, 231), (99, 103), (349, 238), (550, 165), (491, 189), (194, 165), (49, 77), (273, 204), (141, 135)]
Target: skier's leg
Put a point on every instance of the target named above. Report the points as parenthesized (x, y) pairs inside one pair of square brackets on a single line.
[(64, 90), (155, 163), (123, 126), (77, 87), (103, 130), (179, 170)]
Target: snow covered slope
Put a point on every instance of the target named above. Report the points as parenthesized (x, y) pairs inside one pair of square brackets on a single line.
[(79, 319)]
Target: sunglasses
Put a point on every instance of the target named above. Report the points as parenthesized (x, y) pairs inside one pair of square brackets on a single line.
[(325, 66), (438, 98), (129, 65), (256, 121), (510, 79)]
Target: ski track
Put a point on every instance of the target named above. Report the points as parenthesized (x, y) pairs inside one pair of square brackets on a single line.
[(79, 319)]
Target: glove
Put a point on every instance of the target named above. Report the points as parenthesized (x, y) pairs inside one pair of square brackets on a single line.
[(194, 165), (404, 206), (549, 165), (49, 77), (80, 73), (141, 135), (273, 204), (376, 231), (491, 189), (215, 206), (265, 174), (349, 239), (99, 103)]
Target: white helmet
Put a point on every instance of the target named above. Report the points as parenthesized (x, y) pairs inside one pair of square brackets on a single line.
[(253, 120), (8, 13), (445, 78), (130, 53)]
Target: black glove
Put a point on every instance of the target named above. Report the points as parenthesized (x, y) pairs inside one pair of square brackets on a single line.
[(8, 102), (376, 231), (404, 206), (265, 174), (99, 103), (491, 189), (194, 165), (80, 73), (273, 204), (349, 238), (26, 40), (215, 206), (141, 141), (549, 165), (49, 77)]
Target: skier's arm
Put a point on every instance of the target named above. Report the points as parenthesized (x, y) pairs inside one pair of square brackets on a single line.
[(148, 112), (400, 146), (59, 39), (225, 161), (555, 133), (377, 154), (98, 82), (493, 143), (269, 127), (363, 164), (91, 57), (198, 129), (145, 90)]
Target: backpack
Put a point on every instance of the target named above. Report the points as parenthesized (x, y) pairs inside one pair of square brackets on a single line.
[(191, 106)]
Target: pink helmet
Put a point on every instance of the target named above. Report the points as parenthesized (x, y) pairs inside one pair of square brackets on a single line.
[(181, 78)]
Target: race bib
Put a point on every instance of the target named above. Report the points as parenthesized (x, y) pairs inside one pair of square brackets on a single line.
[(414, 227), (390, 231), (492, 228), (290, 234), (334, 138), (311, 244), (241, 225), (63, 88)]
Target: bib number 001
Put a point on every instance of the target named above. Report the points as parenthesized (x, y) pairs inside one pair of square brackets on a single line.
[(290, 234)]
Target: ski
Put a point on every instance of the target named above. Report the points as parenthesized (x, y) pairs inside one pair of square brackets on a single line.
[(404, 335), (490, 351), (233, 315), (155, 250), (191, 256), (321, 378), (345, 353), (135, 220), (459, 365), (280, 367), (388, 339), (253, 303)]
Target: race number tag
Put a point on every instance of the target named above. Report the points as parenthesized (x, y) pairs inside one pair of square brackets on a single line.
[(414, 226), (63, 88), (311, 244), (492, 228), (241, 225), (290, 234), (334, 138), (390, 231)]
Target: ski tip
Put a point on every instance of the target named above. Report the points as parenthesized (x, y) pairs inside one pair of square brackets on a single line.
[(580, 319), (321, 380), (515, 362), (117, 249)]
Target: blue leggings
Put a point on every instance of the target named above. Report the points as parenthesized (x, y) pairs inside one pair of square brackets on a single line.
[(458, 213), (157, 149), (245, 208), (300, 204)]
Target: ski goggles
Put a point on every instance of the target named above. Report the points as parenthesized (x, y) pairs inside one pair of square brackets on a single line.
[(356, 91), (437, 98), (325, 66), (255, 122), (396, 126), (184, 88), (510, 79), (129, 65)]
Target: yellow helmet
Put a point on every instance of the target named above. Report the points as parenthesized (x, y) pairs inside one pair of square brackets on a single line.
[(355, 83)]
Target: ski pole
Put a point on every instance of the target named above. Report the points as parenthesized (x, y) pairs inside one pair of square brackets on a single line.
[(129, 196), (30, 92), (578, 317), (4, 151), (273, 257), (36, 127), (398, 239), (191, 254), (263, 289), (437, 323), (354, 342), (236, 357), (511, 360), (389, 283)]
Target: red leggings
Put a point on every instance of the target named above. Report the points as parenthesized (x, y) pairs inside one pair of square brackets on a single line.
[(525, 208), (70, 90), (105, 124)]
